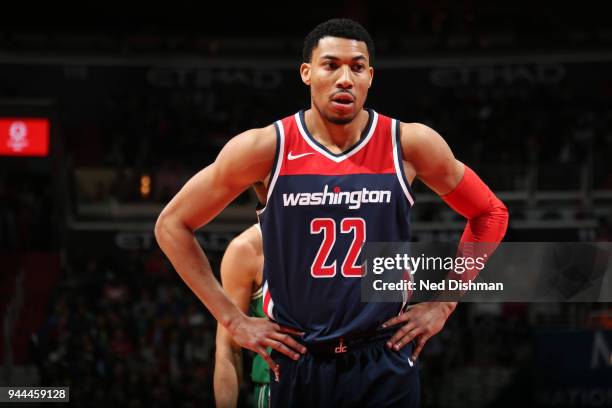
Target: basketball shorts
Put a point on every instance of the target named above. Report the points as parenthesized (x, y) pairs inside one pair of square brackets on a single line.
[(356, 373)]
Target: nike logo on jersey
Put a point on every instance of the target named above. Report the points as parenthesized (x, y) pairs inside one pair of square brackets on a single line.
[(410, 362), (353, 199), (291, 156)]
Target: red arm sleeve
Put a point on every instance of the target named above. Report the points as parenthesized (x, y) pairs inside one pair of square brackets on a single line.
[(487, 215), (487, 220)]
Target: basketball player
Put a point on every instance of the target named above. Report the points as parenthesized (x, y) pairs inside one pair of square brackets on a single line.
[(334, 176), (242, 277)]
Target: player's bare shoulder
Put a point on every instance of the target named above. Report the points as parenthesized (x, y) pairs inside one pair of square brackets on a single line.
[(427, 156), (419, 141), (249, 154), (247, 245), (414, 139), (259, 141), (414, 135), (256, 145)]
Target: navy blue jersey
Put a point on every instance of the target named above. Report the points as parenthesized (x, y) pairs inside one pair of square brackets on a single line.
[(321, 207)]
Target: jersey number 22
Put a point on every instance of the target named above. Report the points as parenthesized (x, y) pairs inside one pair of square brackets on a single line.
[(327, 226)]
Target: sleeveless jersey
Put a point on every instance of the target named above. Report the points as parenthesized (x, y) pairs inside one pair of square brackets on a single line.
[(320, 208), (259, 370)]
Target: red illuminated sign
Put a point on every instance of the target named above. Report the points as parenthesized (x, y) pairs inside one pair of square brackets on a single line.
[(24, 137)]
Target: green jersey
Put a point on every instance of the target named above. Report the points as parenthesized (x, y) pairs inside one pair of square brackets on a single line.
[(259, 372)]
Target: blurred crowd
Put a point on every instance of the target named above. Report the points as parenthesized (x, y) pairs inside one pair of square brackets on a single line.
[(126, 333), (28, 214)]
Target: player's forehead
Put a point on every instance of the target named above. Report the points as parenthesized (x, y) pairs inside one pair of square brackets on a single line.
[(340, 48)]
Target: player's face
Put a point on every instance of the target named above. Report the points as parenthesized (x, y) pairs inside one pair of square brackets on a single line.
[(339, 76)]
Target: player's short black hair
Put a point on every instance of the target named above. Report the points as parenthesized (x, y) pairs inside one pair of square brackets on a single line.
[(341, 28)]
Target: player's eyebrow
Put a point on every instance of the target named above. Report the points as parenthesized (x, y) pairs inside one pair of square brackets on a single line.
[(334, 58)]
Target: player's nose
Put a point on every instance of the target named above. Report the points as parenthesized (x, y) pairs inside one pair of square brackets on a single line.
[(345, 80)]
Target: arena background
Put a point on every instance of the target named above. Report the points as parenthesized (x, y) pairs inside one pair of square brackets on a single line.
[(139, 98)]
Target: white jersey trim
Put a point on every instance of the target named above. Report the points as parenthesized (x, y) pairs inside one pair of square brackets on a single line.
[(269, 311), (257, 294), (340, 158), (277, 165), (397, 161)]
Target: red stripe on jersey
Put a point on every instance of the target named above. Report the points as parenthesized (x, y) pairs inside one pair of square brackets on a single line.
[(372, 158), (266, 302)]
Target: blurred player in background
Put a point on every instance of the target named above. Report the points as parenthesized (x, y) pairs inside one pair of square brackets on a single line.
[(242, 277), (334, 176)]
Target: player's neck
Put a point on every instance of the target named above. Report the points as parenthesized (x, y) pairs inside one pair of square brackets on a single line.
[(337, 138)]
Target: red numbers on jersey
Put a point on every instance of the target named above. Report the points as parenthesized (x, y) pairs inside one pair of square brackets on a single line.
[(327, 226)]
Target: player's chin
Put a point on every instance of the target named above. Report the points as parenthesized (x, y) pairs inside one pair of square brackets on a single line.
[(341, 114)]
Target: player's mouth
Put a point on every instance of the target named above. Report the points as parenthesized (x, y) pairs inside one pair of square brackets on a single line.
[(343, 101)]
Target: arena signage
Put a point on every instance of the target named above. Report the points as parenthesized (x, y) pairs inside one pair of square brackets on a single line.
[(540, 74), (206, 78), (24, 137)]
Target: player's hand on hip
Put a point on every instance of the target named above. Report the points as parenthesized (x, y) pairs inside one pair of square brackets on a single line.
[(257, 334), (420, 322)]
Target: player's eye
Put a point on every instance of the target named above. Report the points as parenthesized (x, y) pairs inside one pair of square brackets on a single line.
[(330, 64), (358, 67)]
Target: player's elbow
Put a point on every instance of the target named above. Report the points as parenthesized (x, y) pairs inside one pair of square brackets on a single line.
[(165, 227), (499, 210), (494, 219), (503, 215), (161, 228)]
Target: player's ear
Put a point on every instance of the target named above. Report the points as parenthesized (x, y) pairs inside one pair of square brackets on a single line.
[(305, 73), (371, 76)]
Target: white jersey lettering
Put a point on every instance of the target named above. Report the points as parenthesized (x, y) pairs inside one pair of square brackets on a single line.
[(353, 199)]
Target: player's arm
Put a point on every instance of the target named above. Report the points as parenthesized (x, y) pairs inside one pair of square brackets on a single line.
[(427, 156), (457, 184), (244, 160), (240, 266)]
